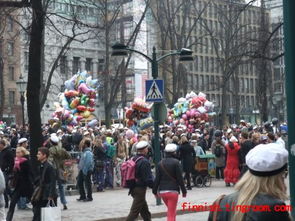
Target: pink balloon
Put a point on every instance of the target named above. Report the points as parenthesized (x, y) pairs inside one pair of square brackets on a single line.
[(188, 114), (184, 117), (197, 114), (190, 126), (129, 134), (83, 88)]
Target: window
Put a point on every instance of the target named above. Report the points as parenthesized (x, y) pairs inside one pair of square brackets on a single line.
[(100, 65), (10, 48), (76, 65), (196, 63), (201, 64), (207, 64), (201, 83), (206, 82), (196, 86), (63, 65), (10, 23), (26, 60), (1, 50), (89, 64), (11, 97), (11, 73), (212, 83), (251, 86)]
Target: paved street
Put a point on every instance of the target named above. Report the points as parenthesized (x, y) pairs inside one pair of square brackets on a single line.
[(114, 204)]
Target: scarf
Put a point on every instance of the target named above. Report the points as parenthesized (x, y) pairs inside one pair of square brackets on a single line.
[(18, 161)]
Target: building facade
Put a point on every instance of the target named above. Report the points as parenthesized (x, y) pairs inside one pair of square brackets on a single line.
[(279, 99), (216, 42), (10, 69)]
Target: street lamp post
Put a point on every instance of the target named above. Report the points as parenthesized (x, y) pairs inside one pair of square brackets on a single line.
[(22, 85), (184, 55)]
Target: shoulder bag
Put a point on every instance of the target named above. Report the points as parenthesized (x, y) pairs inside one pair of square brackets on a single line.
[(37, 194)]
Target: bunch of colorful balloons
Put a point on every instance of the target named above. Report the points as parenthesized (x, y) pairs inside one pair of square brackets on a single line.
[(77, 102), (138, 112), (2, 125), (191, 110)]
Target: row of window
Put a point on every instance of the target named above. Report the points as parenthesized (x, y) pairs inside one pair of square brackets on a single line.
[(213, 83), (245, 101), (212, 65)]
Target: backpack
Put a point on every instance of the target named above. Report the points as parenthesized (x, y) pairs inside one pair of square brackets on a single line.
[(218, 151), (128, 172), (111, 151)]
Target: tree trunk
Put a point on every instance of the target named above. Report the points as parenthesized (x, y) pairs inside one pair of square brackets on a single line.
[(224, 104), (2, 91), (33, 87)]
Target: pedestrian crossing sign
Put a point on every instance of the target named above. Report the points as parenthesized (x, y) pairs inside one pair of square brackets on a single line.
[(154, 90)]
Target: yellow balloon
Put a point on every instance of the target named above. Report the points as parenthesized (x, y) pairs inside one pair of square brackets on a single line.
[(86, 114)]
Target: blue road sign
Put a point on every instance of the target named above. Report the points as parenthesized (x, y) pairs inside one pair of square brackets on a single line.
[(154, 90)]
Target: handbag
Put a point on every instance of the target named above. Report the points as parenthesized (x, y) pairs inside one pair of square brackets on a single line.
[(50, 212), (171, 177), (217, 202), (37, 194)]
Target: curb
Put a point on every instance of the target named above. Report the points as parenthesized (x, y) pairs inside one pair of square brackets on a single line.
[(154, 215)]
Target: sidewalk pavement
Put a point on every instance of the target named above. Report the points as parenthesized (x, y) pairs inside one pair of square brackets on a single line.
[(113, 205)]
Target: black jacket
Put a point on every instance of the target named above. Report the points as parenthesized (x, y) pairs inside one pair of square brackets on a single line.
[(187, 156), (49, 183), (252, 214), (245, 148), (6, 161), (143, 172), (24, 179), (173, 181)]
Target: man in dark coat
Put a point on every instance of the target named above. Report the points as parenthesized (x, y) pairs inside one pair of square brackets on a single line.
[(187, 156), (246, 146), (6, 165), (48, 183)]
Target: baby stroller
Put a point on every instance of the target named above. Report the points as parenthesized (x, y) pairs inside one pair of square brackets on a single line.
[(203, 169)]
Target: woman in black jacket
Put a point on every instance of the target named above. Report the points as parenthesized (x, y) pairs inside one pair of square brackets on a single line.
[(169, 180), (187, 157), (22, 181), (100, 164)]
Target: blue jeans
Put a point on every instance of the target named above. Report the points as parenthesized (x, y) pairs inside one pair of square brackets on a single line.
[(61, 190), (99, 176), (109, 179), (21, 203)]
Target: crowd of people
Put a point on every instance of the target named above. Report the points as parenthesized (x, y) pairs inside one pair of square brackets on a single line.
[(102, 152)]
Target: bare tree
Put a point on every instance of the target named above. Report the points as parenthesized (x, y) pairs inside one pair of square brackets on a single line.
[(113, 77), (176, 23), (232, 46)]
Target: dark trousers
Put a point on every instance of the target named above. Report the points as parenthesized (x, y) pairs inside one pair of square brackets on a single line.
[(14, 198), (139, 205), (85, 180), (219, 172), (7, 192), (187, 176), (37, 208)]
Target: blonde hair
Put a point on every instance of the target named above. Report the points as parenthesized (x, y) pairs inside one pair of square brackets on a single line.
[(249, 186), (23, 150), (183, 140)]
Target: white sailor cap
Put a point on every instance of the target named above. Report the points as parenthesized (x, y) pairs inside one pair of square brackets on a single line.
[(170, 148), (22, 140), (142, 144), (267, 159)]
